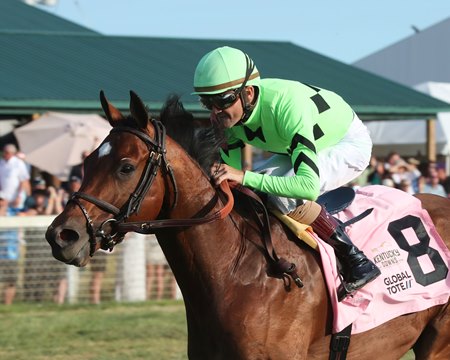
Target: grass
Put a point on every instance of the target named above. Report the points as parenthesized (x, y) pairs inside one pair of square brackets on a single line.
[(111, 331), (153, 330)]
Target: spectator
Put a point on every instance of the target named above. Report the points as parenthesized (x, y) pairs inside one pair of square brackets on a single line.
[(9, 255), (44, 277), (392, 159), (37, 183), (22, 157), (404, 171), (388, 182), (98, 268), (156, 271), (406, 186), (432, 185), (377, 172), (421, 184), (426, 167), (444, 179), (413, 165), (72, 186), (14, 177), (44, 202)]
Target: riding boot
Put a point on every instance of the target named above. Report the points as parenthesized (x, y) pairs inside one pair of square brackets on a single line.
[(357, 269)]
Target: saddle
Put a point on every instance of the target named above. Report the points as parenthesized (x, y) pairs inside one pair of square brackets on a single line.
[(337, 200)]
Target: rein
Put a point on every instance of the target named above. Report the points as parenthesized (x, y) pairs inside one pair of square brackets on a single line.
[(149, 227), (156, 159)]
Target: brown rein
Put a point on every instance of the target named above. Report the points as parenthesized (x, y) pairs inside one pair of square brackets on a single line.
[(157, 158), (148, 227)]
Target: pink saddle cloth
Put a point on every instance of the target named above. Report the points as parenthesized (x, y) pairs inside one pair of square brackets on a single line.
[(401, 239)]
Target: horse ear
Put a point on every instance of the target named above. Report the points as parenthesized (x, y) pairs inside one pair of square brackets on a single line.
[(112, 113), (138, 110)]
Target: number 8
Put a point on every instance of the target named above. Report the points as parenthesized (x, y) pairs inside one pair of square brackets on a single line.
[(422, 248)]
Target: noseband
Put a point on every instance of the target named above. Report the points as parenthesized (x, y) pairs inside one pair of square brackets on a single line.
[(156, 157)]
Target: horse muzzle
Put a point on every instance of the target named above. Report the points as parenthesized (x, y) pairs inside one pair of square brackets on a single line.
[(68, 245)]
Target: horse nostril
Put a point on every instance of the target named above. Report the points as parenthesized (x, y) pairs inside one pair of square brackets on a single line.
[(68, 235)]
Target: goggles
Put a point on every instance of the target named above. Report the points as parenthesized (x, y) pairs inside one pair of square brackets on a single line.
[(220, 101)]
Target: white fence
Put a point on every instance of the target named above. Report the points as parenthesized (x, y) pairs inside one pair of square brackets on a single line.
[(135, 271)]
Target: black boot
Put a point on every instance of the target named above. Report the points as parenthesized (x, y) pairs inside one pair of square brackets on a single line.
[(357, 269)]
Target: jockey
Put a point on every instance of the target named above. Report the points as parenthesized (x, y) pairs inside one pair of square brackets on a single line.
[(318, 141)]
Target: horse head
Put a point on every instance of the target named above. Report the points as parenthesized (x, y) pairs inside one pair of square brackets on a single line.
[(125, 179)]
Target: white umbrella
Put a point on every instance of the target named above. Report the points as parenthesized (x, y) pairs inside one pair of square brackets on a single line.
[(55, 141)]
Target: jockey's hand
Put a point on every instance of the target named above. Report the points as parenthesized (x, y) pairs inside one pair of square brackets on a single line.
[(221, 172)]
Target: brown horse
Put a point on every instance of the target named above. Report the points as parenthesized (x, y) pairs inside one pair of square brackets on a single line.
[(235, 307)]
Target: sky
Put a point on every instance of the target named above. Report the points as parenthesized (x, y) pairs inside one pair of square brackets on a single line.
[(345, 30)]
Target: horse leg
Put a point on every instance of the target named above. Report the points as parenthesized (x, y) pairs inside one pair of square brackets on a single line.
[(434, 343)]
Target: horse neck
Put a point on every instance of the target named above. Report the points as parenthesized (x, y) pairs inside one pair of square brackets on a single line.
[(196, 252)]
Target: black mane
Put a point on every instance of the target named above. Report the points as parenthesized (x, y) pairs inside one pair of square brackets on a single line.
[(199, 142)]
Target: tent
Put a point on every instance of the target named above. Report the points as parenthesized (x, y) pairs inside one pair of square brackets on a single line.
[(56, 141), (409, 137)]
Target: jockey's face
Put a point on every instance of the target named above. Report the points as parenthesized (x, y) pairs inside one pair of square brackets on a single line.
[(227, 118)]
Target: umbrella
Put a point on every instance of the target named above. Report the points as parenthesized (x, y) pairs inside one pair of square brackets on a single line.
[(55, 141)]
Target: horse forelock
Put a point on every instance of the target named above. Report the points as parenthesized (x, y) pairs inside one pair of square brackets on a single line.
[(127, 121)]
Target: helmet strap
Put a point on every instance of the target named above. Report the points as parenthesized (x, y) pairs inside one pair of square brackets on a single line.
[(246, 105)]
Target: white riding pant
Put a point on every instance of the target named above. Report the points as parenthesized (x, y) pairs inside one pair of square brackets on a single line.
[(338, 164)]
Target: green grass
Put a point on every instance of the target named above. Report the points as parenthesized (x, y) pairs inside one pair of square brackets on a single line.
[(151, 330), (111, 331)]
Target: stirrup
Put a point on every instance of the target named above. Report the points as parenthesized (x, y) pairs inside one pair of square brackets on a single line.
[(348, 289), (343, 290)]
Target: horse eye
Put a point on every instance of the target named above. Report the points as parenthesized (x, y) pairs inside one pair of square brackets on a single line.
[(127, 169)]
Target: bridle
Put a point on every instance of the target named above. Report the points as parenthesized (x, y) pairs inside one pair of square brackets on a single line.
[(156, 160)]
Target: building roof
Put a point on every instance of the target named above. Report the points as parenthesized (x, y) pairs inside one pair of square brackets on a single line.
[(64, 70), (16, 16), (421, 57)]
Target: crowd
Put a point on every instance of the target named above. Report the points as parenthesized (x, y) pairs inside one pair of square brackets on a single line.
[(410, 175), (25, 191), (26, 195)]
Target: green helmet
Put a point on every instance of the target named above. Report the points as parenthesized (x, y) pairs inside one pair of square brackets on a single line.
[(223, 69)]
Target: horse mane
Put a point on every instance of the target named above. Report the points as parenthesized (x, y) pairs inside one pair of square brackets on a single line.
[(200, 142)]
